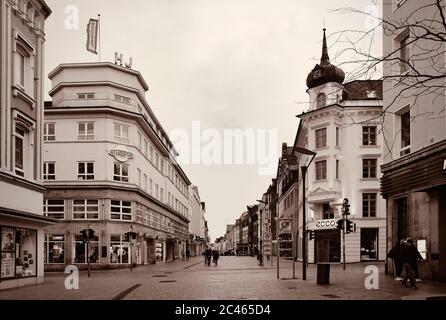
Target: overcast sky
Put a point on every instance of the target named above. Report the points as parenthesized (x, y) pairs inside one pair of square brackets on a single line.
[(228, 64)]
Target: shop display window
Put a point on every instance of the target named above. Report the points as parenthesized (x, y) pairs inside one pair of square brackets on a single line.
[(119, 250), (81, 248), (18, 258), (54, 249)]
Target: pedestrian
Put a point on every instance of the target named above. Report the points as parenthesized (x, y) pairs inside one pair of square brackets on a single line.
[(416, 270), (215, 256), (208, 257), (395, 255), (409, 259), (183, 255), (187, 254)]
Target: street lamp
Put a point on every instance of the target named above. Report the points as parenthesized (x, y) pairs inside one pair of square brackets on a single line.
[(299, 150), (261, 233)]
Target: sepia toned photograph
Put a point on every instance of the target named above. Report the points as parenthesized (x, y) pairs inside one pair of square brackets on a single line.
[(242, 151)]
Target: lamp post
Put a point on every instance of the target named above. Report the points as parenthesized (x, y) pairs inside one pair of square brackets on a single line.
[(298, 150), (261, 232)]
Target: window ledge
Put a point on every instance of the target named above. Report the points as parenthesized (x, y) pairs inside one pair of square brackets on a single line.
[(321, 149), (20, 92), (370, 147), (370, 179), (320, 181)]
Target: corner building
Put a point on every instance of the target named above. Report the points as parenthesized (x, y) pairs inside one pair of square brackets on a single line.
[(109, 166), (343, 127)]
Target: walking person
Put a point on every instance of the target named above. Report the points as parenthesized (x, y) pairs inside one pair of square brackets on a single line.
[(395, 255), (208, 257), (409, 259), (215, 256)]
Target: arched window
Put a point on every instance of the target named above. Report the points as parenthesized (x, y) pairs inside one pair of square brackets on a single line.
[(321, 100)]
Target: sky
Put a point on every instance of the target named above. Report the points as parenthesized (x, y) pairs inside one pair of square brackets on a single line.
[(233, 64)]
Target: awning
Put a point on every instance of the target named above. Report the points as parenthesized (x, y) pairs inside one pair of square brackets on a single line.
[(27, 217)]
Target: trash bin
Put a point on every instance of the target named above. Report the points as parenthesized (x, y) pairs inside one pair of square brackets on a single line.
[(323, 273)]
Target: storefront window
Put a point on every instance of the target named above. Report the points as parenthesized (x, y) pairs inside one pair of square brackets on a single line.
[(54, 249), (80, 250), (119, 250), (18, 253), (369, 244), (159, 251)]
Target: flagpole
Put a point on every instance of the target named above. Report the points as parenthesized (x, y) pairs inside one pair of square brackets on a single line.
[(99, 32)]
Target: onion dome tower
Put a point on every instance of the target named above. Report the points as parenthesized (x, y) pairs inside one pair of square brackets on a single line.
[(324, 72)]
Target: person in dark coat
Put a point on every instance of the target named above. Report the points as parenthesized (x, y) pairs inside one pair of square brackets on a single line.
[(208, 256), (215, 256), (409, 258), (395, 255)]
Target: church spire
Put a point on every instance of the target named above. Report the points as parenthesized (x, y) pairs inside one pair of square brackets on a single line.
[(325, 59)]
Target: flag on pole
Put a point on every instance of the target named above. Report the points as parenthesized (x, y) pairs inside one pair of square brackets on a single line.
[(92, 36)]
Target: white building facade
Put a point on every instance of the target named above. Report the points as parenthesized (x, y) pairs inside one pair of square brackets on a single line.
[(109, 166), (22, 222), (343, 126)]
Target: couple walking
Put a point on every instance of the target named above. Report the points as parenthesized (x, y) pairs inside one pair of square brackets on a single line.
[(405, 258), (211, 254)]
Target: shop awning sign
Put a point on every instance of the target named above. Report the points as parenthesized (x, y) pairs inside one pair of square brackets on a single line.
[(325, 224)]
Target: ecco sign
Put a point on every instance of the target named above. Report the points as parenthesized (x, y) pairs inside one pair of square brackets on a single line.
[(121, 154), (326, 224)]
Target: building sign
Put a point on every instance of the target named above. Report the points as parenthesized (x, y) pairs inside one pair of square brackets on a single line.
[(284, 226), (121, 153), (325, 224)]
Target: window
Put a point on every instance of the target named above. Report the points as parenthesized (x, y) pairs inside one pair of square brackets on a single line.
[(321, 138), (18, 253), (121, 210), (369, 136), (146, 146), (119, 250), (405, 133), (85, 131), (54, 249), (22, 56), (85, 96), (80, 250), (49, 132), (49, 171), (369, 244), (85, 209), (157, 159), (328, 212), (162, 165), (337, 137), (369, 205), (369, 168), (121, 133), (24, 65), (20, 135), (150, 186), (404, 53), (321, 170), (156, 191), (121, 172), (85, 171), (337, 169), (321, 100), (122, 99), (54, 209), (139, 177), (139, 140), (145, 182), (151, 154), (161, 194)]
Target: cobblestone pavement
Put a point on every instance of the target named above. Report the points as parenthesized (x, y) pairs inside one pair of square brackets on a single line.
[(235, 278)]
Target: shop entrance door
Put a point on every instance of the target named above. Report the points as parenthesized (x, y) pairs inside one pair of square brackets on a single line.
[(328, 246)]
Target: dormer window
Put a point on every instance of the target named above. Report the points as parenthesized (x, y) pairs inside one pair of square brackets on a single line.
[(321, 100)]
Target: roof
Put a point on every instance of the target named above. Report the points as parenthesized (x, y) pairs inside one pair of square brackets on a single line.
[(364, 90)]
